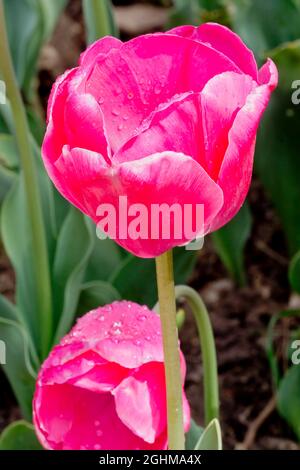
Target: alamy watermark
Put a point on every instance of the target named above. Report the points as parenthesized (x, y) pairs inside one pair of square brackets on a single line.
[(124, 221), (296, 354)]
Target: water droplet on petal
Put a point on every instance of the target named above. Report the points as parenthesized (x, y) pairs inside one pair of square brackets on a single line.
[(115, 112), (101, 100), (157, 89), (99, 433), (97, 447), (120, 127), (142, 317), (130, 95)]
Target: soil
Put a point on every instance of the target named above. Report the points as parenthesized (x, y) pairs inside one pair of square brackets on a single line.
[(240, 315)]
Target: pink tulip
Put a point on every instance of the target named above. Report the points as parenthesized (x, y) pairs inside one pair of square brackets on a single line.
[(164, 118), (103, 386)]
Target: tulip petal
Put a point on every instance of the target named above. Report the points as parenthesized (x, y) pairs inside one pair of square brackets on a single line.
[(70, 417), (236, 170), (130, 82), (99, 48), (84, 124), (223, 40), (221, 98), (168, 178), (140, 400), (176, 127)]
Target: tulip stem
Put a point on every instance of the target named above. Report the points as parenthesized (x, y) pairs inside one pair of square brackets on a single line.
[(167, 307), (209, 356), (32, 193)]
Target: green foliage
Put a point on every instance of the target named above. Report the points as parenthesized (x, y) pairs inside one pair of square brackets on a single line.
[(29, 24), (211, 438), (135, 278), (230, 242), (19, 435), (294, 272), (278, 146), (193, 435), (288, 398)]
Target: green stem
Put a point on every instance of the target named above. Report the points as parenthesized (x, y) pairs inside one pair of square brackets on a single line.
[(209, 356), (99, 19), (33, 199), (166, 296)]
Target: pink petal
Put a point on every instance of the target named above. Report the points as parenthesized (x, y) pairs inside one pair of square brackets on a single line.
[(221, 98), (99, 48), (141, 402), (69, 417), (84, 123), (167, 178), (236, 170), (223, 40), (176, 127), (80, 175), (124, 333), (130, 82)]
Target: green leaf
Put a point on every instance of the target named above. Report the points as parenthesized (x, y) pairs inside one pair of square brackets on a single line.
[(8, 151), (18, 245), (74, 247), (105, 258), (19, 435), (96, 294), (288, 398), (136, 279), (99, 19), (278, 145), (29, 25), (211, 438), (18, 367), (7, 309), (264, 25), (230, 243), (193, 436), (294, 272)]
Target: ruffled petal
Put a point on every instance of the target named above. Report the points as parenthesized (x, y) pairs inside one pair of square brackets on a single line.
[(223, 40), (99, 48), (236, 170), (130, 82), (141, 402)]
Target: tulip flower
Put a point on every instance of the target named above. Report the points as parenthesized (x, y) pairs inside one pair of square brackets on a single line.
[(166, 118), (103, 386)]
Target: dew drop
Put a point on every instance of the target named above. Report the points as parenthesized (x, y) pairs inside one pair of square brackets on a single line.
[(142, 317), (115, 112), (130, 95), (157, 89), (125, 117), (101, 100), (120, 127), (101, 318), (97, 447), (137, 342), (97, 423), (99, 433)]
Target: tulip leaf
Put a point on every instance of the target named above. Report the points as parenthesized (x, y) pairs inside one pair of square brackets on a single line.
[(288, 398), (99, 19), (135, 279), (230, 243), (29, 24), (74, 247), (7, 309), (18, 367), (266, 24), (278, 144), (211, 438), (106, 257), (19, 435), (96, 294), (193, 436), (294, 272)]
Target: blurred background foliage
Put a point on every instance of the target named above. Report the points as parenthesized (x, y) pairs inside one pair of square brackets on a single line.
[(94, 273)]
